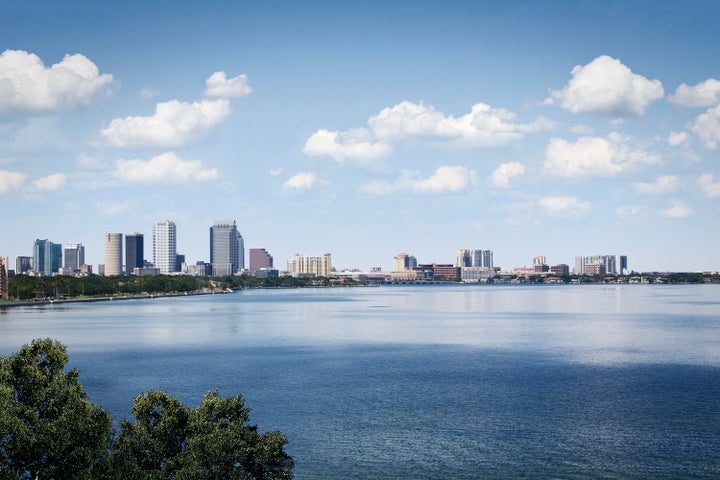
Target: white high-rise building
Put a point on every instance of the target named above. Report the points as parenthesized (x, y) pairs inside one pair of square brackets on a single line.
[(403, 261), (474, 258), (113, 254), (164, 246)]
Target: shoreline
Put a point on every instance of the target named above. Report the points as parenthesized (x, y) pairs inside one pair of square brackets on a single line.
[(105, 299)]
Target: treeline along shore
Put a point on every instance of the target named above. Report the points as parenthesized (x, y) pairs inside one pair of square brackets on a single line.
[(29, 290)]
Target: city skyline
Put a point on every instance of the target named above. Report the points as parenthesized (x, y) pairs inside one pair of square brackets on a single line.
[(530, 128)]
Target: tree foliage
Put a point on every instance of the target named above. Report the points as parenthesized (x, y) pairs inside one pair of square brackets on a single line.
[(50, 430)]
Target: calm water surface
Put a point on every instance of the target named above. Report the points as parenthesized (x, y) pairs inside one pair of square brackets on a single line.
[(426, 382)]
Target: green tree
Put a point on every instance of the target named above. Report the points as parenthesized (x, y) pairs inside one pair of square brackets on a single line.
[(48, 427), (212, 442)]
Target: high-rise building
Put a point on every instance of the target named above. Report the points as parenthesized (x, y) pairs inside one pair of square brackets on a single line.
[(259, 258), (310, 266), (227, 249), (403, 261), (165, 246), (134, 251), (47, 257), (4, 280), (23, 264), (474, 258), (622, 265), (113, 254), (73, 257)]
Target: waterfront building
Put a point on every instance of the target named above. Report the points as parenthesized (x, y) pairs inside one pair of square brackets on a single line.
[(403, 261), (47, 257), (134, 251), (200, 269), (443, 272), (607, 261), (227, 249), (73, 258), (266, 273), (260, 258), (113, 254), (301, 266), (23, 264), (4, 279), (622, 265), (561, 270), (164, 246), (476, 274)]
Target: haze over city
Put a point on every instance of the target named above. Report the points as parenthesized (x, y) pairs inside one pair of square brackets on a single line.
[(365, 130)]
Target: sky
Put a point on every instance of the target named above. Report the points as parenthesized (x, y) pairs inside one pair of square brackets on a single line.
[(366, 129)]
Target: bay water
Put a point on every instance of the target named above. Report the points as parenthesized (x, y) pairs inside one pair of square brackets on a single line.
[(425, 382)]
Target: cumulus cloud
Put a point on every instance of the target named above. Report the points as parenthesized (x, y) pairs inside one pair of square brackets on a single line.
[(48, 184), (276, 171), (594, 156), (708, 186), (218, 85), (663, 184), (606, 86), (677, 210), (482, 126), (703, 94), (502, 175), (173, 124), (677, 138), (10, 181), (563, 206), (301, 181), (707, 127), (166, 168), (26, 84), (445, 179)]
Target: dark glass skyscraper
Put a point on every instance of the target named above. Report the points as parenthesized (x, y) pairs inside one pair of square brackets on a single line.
[(227, 249), (134, 251)]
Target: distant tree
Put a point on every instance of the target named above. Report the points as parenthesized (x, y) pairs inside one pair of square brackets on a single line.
[(211, 442), (48, 427)]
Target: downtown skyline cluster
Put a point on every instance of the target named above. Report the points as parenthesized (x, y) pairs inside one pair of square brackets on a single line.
[(368, 129)]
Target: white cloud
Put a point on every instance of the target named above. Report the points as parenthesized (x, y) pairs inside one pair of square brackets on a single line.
[(707, 127), (276, 171), (344, 145), (48, 184), (301, 181), (677, 138), (606, 86), (593, 156), (663, 184), (710, 188), (582, 130), (563, 206), (445, 179), (703, 94), (677, 210), (218, 85), (632, 212), (482, 126), (166, 168), (173, 124), (10, 181), (26, 84), (502, 175)]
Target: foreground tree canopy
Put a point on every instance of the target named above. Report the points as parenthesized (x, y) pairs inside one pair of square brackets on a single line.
[(50, 430)]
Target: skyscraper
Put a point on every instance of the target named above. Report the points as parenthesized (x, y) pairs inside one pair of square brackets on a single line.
[(113, 254), (4, 282), (226, 248), (47, 257), (403, 261), (164, 246), (259, 258), (73, 256), (134, 251), (474, 258)]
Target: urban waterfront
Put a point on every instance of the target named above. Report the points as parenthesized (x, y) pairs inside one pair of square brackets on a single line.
[(436, 381)]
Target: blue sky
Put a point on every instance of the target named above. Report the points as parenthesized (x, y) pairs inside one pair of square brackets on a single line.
[(366, 129)]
